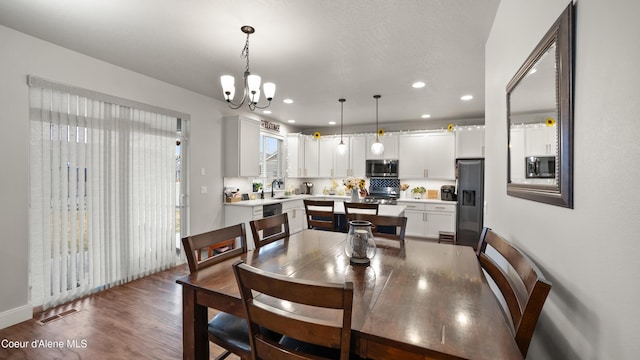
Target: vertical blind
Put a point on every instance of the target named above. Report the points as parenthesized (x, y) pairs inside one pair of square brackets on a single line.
[(103, 191)]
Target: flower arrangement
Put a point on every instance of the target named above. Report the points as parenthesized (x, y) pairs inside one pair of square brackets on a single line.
[(381, 132), (418, 191), (450, 127), (354, 183), (316, 135), (404, 187)]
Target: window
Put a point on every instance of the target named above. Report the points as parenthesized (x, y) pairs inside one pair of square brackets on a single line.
[(271, 157)]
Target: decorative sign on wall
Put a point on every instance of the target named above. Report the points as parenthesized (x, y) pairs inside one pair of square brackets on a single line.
[(266, 125)]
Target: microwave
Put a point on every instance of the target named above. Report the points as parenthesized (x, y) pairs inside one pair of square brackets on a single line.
[(540, 167), (382, 168)]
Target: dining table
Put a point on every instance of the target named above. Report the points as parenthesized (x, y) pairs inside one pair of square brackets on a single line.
[(420, 300)]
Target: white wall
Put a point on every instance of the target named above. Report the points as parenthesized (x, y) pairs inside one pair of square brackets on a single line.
[(22, 55), (589, 253)]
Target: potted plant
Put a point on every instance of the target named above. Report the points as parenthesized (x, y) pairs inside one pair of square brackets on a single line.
[(418, 192)]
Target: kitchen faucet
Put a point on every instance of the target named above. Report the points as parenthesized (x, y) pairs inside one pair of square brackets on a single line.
[(276, 181)]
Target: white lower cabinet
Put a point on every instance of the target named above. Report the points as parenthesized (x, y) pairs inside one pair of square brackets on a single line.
[(295, 213), (243, 214), (428, 219)]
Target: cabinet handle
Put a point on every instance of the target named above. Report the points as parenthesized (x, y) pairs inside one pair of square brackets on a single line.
[(440, 207), (424, 217), (482, 150), (426, 172), (411, 206)]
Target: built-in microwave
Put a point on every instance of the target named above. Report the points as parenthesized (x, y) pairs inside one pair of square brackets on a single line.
[(540, 167), (382, 168)]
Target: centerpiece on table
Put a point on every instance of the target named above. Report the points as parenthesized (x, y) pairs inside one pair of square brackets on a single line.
[(418, 192), (354, 186), (404, 188)]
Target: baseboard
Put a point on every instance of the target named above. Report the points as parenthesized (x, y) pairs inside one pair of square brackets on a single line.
[(15, 316)]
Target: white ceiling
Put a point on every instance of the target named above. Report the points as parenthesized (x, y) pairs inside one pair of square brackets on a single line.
[(315, 51)]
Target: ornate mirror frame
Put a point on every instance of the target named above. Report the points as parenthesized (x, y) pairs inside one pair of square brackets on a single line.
[(560, 192)]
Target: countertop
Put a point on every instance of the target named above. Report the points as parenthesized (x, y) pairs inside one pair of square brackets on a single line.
[(261, 202)]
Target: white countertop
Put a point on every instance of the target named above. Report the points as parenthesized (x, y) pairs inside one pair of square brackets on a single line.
[(261, 202)]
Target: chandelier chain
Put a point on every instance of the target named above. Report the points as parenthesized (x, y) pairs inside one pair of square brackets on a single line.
[(245, 53)]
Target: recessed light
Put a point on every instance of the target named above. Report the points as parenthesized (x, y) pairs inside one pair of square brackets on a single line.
[(287, 101), (418, 85), (291, 121), (332, 122), (267, 112), (466, 97), (425, 116)]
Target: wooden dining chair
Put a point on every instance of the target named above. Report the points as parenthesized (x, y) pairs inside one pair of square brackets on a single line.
[(523, 286), (396, 224), (307, 334), (225, 330), (351, 208), (269, 229), (320, 214)]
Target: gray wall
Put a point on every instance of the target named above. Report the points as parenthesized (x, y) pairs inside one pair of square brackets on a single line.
[(590, 253), (23, 55)]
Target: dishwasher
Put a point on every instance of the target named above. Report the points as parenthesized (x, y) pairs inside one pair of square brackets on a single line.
[(270, 210)]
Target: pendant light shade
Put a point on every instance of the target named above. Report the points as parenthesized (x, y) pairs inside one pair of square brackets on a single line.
[(342, 147), (377, 148)]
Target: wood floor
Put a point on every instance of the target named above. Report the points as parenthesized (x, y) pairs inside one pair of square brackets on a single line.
[(138, 320)]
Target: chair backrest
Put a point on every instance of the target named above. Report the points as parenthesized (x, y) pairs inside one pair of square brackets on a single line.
[(380, 222), (523, 286), (351, 208), (273, 228), (316, 298), (319, 214), (194, 244)]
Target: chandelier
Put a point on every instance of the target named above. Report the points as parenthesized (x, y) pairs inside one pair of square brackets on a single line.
[(251, 88), (377, 147)]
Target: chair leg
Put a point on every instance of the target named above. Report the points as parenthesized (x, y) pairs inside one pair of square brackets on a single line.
[(223, 355)]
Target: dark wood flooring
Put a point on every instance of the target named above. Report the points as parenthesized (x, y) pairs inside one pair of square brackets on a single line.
[(138, 320)]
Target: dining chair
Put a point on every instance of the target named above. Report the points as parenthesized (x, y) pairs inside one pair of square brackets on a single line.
[(320, 214), (307, 333), (225, 330), (388, 227), (269, 229), (351, 208), (522, 286)]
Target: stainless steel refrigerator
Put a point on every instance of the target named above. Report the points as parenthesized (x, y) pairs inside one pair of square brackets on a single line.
[(470, 196)]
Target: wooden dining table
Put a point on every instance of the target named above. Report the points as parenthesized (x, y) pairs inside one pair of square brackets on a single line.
[(423, 300)]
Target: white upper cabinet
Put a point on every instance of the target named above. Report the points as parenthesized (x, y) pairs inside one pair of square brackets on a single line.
[(295, 155), (430, 155), (469, 142), (540, 140), (311, 153), (516, 151), (390, 142), (341, 162), (326, 157), (242, 147), (357, 156)]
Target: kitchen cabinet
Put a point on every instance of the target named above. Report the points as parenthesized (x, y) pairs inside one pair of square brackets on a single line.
[(427, 155), (243, 214), (242, 147), (390, 142), (428, 219), (295, 155), (296, 214), (311, 153), (357, 156), (540, 140), (331, 163), (469, 142)]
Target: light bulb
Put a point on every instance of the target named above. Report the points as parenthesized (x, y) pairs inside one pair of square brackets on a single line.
[(269, 90), (377, 148), (342, 148), (253, 82)]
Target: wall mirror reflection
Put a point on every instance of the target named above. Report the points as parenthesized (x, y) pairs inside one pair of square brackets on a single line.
[(540, 119)]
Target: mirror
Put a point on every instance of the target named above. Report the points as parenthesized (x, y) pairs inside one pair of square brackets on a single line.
[(540, 119)]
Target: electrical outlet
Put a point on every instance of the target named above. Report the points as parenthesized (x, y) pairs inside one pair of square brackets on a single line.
[(203, 189)]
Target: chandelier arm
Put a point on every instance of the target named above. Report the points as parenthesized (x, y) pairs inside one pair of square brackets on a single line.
[(255, 105)]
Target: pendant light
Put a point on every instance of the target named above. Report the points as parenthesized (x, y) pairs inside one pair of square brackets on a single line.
[(377, 148), (342, 147)]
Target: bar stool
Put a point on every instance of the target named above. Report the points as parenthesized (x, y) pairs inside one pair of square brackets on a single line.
[(447, 236)]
